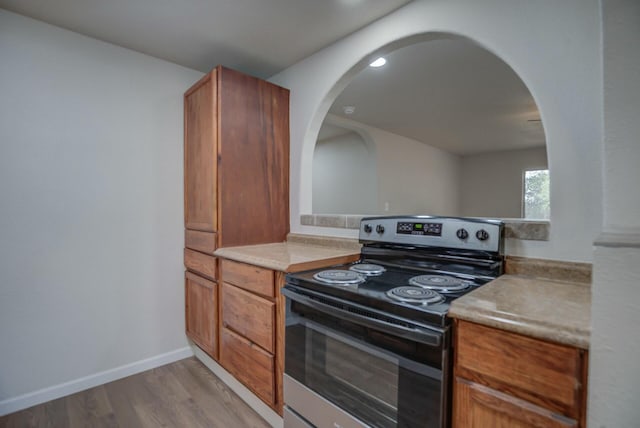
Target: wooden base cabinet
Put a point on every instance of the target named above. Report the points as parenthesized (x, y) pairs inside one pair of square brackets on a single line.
[(249, 345), (477, 406), (201, 312), (250, 364), (252, 323), (503, 379)]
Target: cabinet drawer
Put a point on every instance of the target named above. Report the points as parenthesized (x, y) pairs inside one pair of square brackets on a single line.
[(542, 373), (250, 315), (205, 242), (479, 406), (249, 277), (248, 363), (200, 263)]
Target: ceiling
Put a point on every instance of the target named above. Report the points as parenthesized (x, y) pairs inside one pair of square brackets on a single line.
[(448, 93), (258, 37)]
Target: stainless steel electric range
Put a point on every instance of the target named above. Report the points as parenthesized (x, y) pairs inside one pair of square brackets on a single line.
[(368, 344)]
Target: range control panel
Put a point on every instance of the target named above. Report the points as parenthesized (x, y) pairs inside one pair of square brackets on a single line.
[(446, 232), (419, 228)]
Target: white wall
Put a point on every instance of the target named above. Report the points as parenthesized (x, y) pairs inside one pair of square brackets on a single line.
[(428, 182), (491, 184), (414, 177), (91, 207), (614, 377), (553, 46), (556, 47), (344, 176)]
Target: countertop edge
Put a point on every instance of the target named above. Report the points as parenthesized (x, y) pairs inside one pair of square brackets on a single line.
[(227, 254), (236, 254)]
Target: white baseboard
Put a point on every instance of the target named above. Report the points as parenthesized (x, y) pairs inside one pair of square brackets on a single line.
[(267, 413), (51, 393)]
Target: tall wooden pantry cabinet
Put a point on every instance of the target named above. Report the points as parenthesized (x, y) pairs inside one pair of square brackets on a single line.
[(236, 182)]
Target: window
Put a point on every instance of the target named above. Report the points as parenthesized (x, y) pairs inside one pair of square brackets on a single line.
[(536, 194)]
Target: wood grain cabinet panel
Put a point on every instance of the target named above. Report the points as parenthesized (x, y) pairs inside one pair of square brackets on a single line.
[(249, 363), (249, 277), (249, 315), (253, 171), (253, 320), (504, 379), (200, 154), (544, 373), (205, 242), (236, 158), (236, 192), (478, 406), (200, 263), (201, 309)]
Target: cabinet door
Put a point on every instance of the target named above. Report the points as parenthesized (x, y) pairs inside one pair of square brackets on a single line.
[(200, 155), (478, 406), (201, 312)]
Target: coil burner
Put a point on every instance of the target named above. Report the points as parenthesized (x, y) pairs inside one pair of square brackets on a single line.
[(420, 295), (368, 269), (339, 277), (440, 283)]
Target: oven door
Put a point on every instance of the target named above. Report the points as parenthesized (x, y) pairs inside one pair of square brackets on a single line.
[(349, 366)]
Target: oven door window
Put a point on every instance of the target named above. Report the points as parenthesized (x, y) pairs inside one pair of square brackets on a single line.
[(383, 381)]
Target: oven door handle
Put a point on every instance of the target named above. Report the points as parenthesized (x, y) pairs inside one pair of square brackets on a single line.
[(414, 333)]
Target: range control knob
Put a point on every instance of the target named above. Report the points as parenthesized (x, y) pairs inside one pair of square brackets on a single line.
[(367, 228), (462, 234), (482, 235), (380, 229)]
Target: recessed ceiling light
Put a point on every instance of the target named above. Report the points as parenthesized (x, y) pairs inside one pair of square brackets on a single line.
[(378, 63), (348, 109)]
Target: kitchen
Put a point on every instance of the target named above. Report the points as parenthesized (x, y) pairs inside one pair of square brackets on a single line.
[(576, 58)]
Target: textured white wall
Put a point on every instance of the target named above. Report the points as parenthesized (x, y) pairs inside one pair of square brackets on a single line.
[(344, 176), (91, 228), (399, 175), (491, 183), (621, 23), (614, 378), (553, 46), (413, 177)]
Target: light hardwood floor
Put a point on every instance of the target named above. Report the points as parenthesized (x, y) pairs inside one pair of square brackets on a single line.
[(181, 394)]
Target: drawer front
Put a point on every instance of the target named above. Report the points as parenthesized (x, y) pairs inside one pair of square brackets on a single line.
[(479, 406), (202, 264), (543, 373), (250, 315), (205, 242), (249, 364), (249, 277)]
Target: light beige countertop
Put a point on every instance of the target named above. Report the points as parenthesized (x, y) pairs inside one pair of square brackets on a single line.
[(289, 256), (556, 311)]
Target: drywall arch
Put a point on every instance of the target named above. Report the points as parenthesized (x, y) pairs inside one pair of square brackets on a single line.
[(338, 181), (399, 164), (553, 47)]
